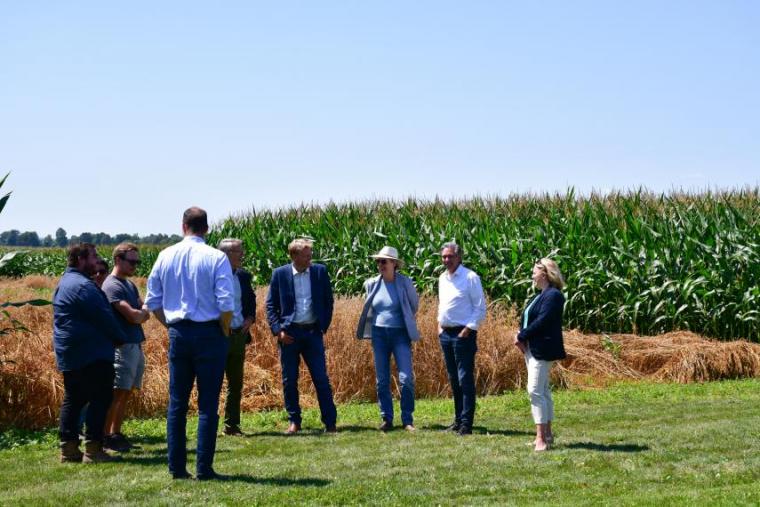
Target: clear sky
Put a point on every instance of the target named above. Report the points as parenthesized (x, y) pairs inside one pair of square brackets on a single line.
[(116, 116)]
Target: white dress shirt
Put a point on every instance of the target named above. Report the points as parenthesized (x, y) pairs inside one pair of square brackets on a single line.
[(461, 301), (191, 280), (302, 288)]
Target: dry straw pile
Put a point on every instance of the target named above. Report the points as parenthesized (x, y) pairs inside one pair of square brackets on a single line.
[(31, 388)]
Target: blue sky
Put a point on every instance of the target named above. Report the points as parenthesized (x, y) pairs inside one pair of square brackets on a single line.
[(116, 117)]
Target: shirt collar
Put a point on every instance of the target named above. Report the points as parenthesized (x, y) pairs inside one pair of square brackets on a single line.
[(455, 273), (295, 271), (194, 239)]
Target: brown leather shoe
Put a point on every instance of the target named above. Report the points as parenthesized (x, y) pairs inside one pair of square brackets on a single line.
[(293, 429)]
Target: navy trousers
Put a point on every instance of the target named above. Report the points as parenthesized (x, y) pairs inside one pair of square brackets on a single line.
[(459, 355), (197, 352), (309, 345)]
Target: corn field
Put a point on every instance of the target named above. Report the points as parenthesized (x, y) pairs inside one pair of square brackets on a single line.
[(635, 262)]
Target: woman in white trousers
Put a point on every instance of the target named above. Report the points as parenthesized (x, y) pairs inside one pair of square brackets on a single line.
[(540, 340)]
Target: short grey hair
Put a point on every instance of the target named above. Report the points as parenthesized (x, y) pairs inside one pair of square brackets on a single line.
[(299, 244), (454, 247), (228, 244)]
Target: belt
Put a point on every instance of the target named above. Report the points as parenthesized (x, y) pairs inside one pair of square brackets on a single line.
[(452, 329), (195, 323), (307, 326)]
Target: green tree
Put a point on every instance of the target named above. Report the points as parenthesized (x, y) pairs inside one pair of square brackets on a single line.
[(60, 237)]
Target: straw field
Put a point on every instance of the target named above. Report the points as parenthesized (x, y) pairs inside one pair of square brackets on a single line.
[(31, 388), (636, 262)]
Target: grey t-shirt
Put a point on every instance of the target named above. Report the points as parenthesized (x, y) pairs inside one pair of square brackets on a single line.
[(117, 290)]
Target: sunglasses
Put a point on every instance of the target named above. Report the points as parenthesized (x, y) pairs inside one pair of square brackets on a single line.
[(101, 272), (132, 262), (381, 261)]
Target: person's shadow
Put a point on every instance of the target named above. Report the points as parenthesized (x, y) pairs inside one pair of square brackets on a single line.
[(482, 430), (276, 481), (591, 446)]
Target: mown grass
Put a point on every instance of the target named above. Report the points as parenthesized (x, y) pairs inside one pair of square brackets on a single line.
[(630, 444)]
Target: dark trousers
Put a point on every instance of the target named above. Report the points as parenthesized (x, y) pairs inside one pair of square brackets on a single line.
[(459, 355), (309, 345), (234, 372), (91, 384), (197, 352)]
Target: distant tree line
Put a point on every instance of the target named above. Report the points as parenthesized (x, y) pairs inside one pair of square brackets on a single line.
[(61, 239)]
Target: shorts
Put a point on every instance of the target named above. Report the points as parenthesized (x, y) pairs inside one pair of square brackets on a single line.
[(129, 364)]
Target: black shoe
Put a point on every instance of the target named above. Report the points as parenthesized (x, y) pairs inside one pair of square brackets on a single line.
[(332, 429), (184, 474), (116, 442), (233, 431), (387, 425), (464, 430), (453, 427), (211, 476)]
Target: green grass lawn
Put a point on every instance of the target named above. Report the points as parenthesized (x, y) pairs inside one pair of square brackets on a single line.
[(628, 444)]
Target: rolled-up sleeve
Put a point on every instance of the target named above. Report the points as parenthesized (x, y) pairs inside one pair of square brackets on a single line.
[(155, 293), (478, 301), (223, 290)]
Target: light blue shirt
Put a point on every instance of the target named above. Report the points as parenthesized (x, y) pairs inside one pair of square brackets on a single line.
[(191, 280), (386, 307), (525, 313), (302, 287), (237, 313)]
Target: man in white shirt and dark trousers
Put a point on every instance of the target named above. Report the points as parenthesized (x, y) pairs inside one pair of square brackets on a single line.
[(461, 309), (190, 291)]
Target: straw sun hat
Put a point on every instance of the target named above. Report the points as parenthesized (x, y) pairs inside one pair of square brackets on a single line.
[(388, 252)]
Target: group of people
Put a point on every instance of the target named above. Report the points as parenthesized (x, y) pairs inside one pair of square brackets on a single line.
[(206, 300)]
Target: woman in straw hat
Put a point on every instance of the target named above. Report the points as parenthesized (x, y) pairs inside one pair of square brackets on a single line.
[(388, 318), (540, 339)]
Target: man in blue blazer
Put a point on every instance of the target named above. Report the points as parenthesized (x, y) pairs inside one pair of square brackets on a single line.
[(299, 311)]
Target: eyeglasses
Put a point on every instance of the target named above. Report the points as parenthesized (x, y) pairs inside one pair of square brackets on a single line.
[(132, 262)]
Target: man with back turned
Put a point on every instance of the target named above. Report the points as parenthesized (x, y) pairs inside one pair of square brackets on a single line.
[(190, 291)]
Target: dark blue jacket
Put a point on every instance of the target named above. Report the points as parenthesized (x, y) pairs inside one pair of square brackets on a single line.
[(247, 296), (85, 329), (544, 331), (281, 299)]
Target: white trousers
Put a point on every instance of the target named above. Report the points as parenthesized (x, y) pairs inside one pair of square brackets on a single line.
[(541, 403)]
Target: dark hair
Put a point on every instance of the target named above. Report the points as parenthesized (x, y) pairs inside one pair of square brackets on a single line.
[(102, 262), (196, 220), (79, 251)]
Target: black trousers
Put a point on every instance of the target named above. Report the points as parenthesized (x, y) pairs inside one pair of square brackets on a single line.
[(91, 384)]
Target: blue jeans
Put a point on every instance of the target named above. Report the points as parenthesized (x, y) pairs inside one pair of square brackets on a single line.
[(197, 352), (459, 355), (387, 341), (309, 345)]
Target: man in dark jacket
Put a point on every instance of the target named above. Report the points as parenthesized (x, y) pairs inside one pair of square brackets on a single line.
[(299, 310), (243, 317), (85, 332)]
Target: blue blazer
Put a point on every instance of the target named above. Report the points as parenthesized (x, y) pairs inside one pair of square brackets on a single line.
[(281, 299), (544, 330)]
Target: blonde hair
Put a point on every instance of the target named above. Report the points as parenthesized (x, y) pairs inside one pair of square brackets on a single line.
[(299, 244), (553, 274)]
